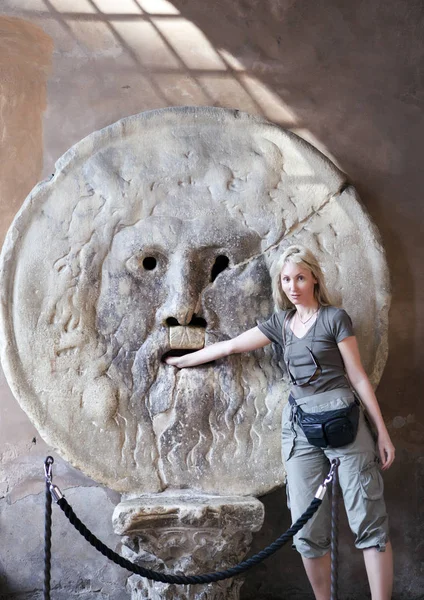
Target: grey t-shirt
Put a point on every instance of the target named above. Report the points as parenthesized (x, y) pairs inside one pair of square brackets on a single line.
[(331, 326)]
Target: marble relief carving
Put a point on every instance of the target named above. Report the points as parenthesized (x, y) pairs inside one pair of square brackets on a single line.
[(158, 234)]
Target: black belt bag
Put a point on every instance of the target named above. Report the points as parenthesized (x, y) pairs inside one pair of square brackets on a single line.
[(333, 428)]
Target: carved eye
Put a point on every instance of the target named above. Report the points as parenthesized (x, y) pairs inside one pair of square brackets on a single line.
[(149, 263), (220, 264), (140, 263)]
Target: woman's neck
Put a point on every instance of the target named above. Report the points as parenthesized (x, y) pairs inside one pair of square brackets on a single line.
[(306, 311)]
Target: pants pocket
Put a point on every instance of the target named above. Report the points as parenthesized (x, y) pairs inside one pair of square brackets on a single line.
[(371, 481), (288, 494), (287, 435), (287, 445)]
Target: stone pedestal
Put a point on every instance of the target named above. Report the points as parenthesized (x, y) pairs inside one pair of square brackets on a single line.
[(187, 535)]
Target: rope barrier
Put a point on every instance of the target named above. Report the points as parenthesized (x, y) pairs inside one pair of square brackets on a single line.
[(191, 579), (182, 579)]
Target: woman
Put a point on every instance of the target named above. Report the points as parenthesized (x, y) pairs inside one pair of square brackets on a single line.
[(320, 349)]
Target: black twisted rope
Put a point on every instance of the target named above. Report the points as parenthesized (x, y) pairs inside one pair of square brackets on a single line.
[(47, 537), (334, 533), (192, 579)]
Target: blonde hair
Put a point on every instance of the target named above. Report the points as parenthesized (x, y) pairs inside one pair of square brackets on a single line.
[(304, 257)]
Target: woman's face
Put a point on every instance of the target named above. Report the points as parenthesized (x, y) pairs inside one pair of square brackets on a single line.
[(298, 283)]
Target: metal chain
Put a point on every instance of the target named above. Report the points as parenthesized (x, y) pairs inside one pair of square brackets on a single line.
[(47, 528), (335, 531)]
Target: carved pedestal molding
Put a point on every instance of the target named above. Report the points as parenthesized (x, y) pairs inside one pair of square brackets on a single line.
[(186, 535)]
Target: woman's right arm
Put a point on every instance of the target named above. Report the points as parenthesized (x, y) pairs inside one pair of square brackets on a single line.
[(245, 342)]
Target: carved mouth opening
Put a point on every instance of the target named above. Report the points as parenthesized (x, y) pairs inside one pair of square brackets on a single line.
[(195, 322), (178, 352)]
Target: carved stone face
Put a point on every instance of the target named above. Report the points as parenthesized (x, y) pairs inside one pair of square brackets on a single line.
[(159, 271), (158, 234)]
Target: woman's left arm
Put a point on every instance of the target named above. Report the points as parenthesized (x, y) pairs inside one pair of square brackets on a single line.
[(359, 379)]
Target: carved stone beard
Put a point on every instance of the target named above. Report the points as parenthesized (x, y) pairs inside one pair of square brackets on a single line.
[(188, 422)]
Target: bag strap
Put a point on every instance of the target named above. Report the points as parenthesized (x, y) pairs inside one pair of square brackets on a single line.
[(289, 314), (287, 317)]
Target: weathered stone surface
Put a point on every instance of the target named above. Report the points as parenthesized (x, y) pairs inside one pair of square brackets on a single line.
[(124, 241), (187, 534)]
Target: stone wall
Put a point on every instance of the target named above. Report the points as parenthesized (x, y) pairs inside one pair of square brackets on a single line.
[(345, 76)]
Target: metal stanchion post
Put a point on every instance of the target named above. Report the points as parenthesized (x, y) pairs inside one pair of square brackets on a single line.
[(335, 530)]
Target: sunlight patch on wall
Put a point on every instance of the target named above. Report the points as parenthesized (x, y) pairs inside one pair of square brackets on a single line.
[(158, 7), (76, 6), (146, 43), (182, 90), (190, 43), (27, 5), (224, 90), (272, 105), (126, 7), (231, 60)]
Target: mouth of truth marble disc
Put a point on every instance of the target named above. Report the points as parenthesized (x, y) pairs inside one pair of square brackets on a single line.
[(157, 234)]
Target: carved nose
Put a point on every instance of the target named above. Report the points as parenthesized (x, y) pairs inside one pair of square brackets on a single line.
[(184, 287), (180, 309), (179, 316), (180, 304)]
